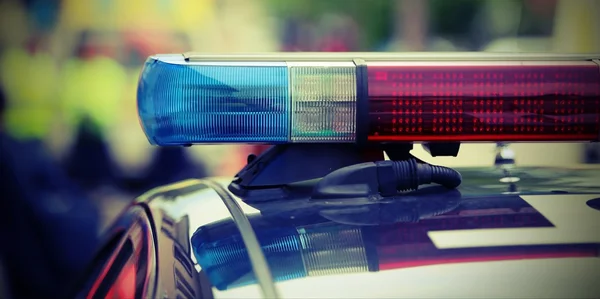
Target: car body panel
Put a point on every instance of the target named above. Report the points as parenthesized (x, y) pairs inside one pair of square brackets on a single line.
[(170, 208), (544, 278), (503, 233)]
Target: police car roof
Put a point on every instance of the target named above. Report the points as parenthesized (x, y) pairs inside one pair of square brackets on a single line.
[(532, 233)]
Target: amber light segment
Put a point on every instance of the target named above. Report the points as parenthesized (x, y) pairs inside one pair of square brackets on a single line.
[(517, 101)]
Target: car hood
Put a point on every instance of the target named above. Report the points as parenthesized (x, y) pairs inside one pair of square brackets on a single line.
[(527, 232)]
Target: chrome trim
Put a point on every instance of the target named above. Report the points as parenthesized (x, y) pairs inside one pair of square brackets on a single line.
[(348, 64), (145, 227), (521, 62), (159, 191), (181, 60), (408, 56), (257, 258)]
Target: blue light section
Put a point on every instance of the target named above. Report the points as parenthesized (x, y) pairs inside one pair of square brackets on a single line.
[(181, 103), (227, 264)]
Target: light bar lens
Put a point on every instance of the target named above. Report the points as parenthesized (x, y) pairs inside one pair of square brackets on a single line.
[(323, 101), (307, 99), (535, 101), (186, 104)]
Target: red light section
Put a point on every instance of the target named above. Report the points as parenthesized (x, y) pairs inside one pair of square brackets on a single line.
[(516, 101)]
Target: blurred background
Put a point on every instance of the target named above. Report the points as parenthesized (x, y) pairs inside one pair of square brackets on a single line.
[(72, 153), (69, 69)]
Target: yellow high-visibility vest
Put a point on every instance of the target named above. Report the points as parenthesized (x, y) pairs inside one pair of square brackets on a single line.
[(93, 88), (31, 85), (182, 15)]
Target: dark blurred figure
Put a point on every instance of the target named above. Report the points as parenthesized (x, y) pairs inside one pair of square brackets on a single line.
[(339, 34), (49, 229), (89, 162), (529, 19), (43, 13), (170, 165), (297, 35), (334, 33)]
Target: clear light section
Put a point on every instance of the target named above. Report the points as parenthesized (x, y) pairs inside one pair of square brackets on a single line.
[(186, 103), (323, 101), (328, 250)]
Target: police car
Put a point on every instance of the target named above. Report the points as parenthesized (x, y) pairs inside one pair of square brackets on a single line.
[(338, 206)]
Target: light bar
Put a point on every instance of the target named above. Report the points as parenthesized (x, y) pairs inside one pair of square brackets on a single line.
[(365, 97)]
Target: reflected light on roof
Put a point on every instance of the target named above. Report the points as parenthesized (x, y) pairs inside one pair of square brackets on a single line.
[(560, 278)]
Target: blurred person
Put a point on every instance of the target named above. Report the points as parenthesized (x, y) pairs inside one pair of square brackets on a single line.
[(451, 22), (297, 35), (170, 165), (514, 26), (50, 231), (100, 95), (92, 89), (89, 162), (29, 71), (539, 17), (415, 23), (429, 25), (29, 74), (334, 33), (341, 34)]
